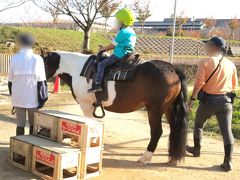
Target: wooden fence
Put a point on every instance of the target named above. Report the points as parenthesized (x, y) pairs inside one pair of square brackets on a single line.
[(4, 63)]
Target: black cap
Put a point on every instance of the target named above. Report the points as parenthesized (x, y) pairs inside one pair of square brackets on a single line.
[(219, 42), (26, 39)]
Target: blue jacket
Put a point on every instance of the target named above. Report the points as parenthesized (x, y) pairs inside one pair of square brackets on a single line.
[(124, 42)]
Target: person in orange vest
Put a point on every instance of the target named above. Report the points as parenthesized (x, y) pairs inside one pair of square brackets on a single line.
[(215, 86)]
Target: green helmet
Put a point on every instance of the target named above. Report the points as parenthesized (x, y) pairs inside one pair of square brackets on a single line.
[(126, 16)]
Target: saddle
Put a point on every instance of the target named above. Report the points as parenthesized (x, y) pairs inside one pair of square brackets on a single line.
[(123, 70)]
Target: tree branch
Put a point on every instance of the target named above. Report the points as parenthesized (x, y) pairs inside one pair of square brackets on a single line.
[(13, 5), (82, 12)]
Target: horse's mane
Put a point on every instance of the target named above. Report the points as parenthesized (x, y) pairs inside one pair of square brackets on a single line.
[(72, 56), (71, 53), (162, 65)]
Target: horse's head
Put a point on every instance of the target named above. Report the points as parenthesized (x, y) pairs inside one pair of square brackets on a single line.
[(51, 62)]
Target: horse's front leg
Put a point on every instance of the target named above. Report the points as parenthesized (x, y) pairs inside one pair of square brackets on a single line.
[(87, 108), (155, 121)]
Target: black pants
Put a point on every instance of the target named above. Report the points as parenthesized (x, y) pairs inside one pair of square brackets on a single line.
[(221, 107)]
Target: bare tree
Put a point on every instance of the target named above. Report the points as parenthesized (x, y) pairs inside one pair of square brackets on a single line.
[(54, 13), (45, 6), (27, 18), (209, 24), (11, 4), (180, 21), (107, 12), (234, 24), (83, 13), (142, 10)]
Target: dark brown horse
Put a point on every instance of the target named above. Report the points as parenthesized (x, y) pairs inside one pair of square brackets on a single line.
[(158, 86)]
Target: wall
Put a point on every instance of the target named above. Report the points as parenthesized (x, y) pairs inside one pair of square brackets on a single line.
[(4, 63)]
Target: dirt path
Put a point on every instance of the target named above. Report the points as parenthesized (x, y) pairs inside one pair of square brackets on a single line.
[(126, 138)]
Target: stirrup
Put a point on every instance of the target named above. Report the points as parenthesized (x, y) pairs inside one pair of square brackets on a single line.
[(96, 105)]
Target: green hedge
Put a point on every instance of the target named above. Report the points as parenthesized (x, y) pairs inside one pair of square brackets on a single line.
[(53, 39)]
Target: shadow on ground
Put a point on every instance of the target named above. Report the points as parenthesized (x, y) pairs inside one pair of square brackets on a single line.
[(9, 172)]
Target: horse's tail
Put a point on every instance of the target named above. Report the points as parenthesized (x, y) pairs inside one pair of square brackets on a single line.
[(178, 124)]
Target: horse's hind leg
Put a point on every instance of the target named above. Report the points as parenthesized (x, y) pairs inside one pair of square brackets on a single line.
[(155, 121)]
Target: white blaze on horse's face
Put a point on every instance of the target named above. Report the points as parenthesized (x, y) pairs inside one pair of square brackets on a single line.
[(72, 64)]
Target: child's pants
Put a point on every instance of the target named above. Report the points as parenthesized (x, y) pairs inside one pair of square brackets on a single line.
[(102, 66)]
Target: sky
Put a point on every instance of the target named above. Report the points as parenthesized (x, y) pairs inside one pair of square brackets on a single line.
[(159, 8)]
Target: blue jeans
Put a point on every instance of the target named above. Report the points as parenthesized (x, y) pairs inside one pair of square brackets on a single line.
[(102, 66)]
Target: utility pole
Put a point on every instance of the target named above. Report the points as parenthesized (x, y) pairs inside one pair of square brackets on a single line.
[(173, 33)]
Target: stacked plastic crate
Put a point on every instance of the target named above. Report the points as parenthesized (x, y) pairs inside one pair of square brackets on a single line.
[(64, 146)]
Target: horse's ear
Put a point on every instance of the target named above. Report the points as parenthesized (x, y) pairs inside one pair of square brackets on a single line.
[(41, 50), (44, 52)]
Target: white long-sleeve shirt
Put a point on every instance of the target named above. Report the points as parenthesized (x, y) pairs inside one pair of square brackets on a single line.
[(26, 69)]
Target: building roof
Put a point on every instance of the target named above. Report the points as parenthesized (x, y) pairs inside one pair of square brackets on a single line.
[(190, 24), (168, 23), (220, 23)]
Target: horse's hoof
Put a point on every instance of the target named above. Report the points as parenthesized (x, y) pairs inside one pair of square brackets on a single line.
[(140, 163), (172, 162), (146, 158)]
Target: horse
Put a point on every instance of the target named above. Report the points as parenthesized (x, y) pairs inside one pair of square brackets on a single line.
[(158, 86)]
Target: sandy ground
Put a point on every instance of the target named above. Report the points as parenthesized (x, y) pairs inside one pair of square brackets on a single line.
[(126, 138)]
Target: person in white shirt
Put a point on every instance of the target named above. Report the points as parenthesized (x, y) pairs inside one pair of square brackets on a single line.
[(27, 82)]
